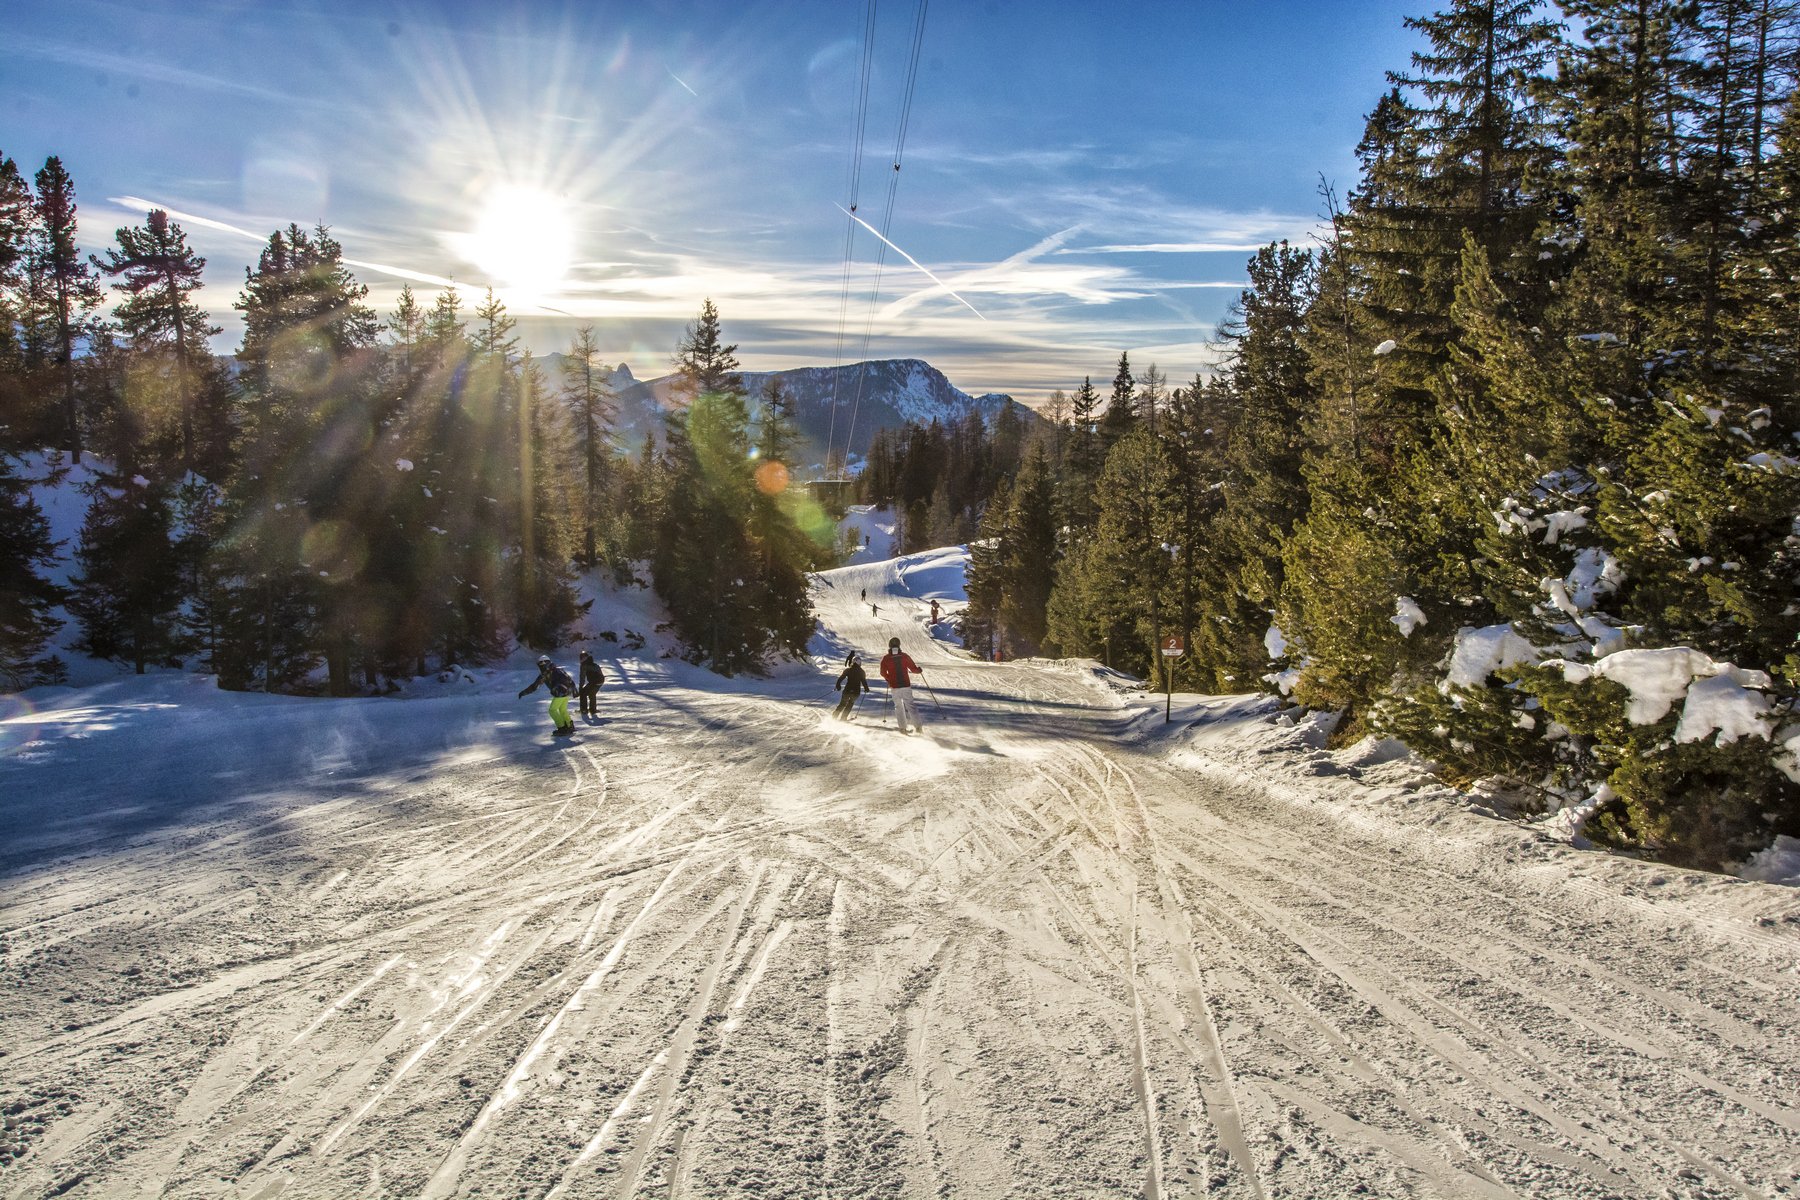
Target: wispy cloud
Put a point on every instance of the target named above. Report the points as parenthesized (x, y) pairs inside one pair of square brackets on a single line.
[(1175, 248), (133, 67)]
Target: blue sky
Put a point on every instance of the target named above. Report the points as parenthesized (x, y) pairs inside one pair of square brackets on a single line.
[(1079, 179)]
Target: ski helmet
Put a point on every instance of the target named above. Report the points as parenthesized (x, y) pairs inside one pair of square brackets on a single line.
[(893, 643), (849, 658), (543, 660)]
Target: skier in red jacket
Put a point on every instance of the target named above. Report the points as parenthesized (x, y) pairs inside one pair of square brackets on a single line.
[(894, 669)]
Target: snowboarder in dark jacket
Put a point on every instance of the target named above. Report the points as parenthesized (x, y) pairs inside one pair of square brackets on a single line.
[(853, 683), (591, 679), (561, 686)]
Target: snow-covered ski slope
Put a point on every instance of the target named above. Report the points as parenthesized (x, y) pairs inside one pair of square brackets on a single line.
[(720, 945)]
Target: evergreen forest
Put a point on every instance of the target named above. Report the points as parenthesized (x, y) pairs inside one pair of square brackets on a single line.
[(1504, 465), (350, 501)]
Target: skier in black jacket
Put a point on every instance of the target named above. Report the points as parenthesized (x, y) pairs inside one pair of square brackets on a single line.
[(591, 679), (853, 683), (561, 688)]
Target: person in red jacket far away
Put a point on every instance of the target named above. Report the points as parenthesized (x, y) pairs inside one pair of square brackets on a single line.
[(895, 668)]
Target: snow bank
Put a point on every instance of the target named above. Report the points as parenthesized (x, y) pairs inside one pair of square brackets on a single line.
[(937, 574), (1780, 863), (1284, 681), (874, 533), (1717, 698), (1479, 652), (1728, 703)]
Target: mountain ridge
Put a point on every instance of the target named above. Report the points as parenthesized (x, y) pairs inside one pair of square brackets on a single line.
[(842, 405)]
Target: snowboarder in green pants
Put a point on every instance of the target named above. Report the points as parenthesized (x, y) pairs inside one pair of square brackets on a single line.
[(561, 686)]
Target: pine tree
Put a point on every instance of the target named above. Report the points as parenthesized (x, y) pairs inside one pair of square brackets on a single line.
[(1265, 395), (16, 224), (589, 399), (129, 591), (1212, 606), (776, 434), (68, 286), (1082, 462), (493, 338), (1030, 555), (1129, 564), (723, 561), (545, 603), (443, 329), (408, 327), (27, 598), (166, 331), (296, 544), (1121, 415), (988, 575)]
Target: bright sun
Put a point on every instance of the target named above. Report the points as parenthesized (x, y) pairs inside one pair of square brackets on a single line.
[(523, 239)]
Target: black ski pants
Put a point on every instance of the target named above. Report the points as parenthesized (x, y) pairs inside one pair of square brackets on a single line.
[(590, 700)]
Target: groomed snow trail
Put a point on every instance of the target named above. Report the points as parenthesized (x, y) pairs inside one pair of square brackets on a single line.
[(721, 945)]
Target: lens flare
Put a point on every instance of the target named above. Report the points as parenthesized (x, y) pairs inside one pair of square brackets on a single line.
[(772, 478), (19, 722)]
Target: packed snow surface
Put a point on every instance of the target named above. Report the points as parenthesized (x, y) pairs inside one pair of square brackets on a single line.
[(718, 944)]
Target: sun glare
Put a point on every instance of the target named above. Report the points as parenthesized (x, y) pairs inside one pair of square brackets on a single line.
[(523, 239)]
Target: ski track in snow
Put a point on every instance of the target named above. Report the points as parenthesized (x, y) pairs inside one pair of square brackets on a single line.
[(724, 945)]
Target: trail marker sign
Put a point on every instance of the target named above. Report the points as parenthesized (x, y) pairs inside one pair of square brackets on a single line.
[(1173, 647)]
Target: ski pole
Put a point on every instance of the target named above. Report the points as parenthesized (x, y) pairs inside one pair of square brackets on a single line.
[(934, 699)]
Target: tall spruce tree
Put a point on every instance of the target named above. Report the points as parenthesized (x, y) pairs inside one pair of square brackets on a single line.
[(720, 562), (544, 602), (166, 332), (16, 223), (129, 591), (1082, 460), (69, 291), (27, 597), (1030, 554), (295, 543), (1121, 415), (590, 402)]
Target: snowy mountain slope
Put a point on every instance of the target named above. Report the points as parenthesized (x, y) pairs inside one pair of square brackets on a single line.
[(722, 945), (849, 402)]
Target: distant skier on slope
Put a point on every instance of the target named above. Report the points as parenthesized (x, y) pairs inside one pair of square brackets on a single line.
[(561, 688), (894, 668), (853, 682), (592, 678)]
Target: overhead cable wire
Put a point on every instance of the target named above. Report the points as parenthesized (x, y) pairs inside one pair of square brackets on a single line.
[(887, 218), (853, 191)]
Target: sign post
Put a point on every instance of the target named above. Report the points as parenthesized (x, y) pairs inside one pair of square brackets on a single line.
[(1172, 649)]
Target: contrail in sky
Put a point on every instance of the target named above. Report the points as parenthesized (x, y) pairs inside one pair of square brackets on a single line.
[(909, 258), (683, 83), (209, 223)]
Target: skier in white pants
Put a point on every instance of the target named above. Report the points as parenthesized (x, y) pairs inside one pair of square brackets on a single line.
[(894, 669)]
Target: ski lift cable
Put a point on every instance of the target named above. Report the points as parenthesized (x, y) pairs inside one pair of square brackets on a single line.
[(887, 218), (853, 189)]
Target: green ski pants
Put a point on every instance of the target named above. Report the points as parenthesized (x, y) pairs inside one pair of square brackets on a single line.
[(559, 711)]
